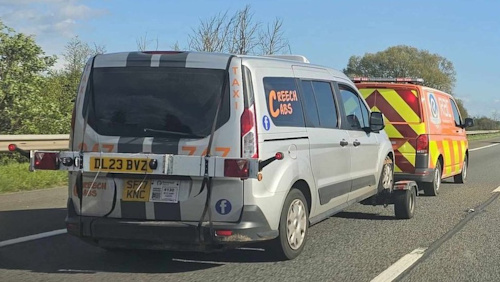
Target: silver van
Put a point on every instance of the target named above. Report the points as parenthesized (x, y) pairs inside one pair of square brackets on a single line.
[(206, 151)]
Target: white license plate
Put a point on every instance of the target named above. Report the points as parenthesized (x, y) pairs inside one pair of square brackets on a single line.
[(165, 191)]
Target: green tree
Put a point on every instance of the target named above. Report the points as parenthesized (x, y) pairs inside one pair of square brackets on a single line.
[(461, 108), (76, 55), (22, 67), (405, 61)]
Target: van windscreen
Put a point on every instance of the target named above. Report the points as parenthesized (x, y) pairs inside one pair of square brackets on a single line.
[(397, 105), (156, 102)]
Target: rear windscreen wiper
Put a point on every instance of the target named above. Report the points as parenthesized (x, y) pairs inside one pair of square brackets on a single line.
[(187, 135)]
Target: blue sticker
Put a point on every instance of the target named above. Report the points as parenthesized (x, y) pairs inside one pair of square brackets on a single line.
[(266, 122), (434, 106), (223, 206)]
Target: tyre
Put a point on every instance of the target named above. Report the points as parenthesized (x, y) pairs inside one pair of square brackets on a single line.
[(432, 188), (460, 178), (386, 181), (293, 227), (404, 203)]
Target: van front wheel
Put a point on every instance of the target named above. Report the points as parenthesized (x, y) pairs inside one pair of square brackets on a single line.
[(294, 224)]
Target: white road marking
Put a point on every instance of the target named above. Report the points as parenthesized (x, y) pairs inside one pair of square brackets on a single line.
[(401, 265), (198, 261), (251, 249), (32, 237), (496, 190), (76, 271), (484, 147)]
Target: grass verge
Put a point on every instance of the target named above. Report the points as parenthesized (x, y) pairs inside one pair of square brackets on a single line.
[(482, 136), (17, 177)]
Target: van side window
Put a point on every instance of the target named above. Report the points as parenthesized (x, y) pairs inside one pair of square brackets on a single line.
[(310, 104), (283, 101), (326, 105), (356, 111), (456, 114)]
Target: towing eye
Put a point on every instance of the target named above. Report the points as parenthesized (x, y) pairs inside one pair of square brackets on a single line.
[(207, 180)]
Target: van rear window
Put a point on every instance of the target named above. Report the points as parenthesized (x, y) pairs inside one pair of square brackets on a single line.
[(397, 105), (156, 102)]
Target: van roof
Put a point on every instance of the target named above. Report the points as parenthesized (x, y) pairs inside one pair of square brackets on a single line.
[(192, 59)]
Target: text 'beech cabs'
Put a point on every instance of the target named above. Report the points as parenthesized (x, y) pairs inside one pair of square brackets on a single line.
[(205, 151)]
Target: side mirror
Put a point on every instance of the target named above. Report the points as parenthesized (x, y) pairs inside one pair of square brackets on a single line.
[(376, 122), (468, 122)]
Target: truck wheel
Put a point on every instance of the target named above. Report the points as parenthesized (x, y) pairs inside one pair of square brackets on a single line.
[(294, 224), (432, 188), (460, 178), (404, 203)]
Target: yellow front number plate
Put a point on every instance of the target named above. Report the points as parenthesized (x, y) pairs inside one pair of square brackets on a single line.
[(131, 165), (136, 190)]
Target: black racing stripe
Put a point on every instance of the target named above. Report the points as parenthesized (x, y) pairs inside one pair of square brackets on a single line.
[(133, 210), (177, 60), (362, 182), (286, 139), (130, 144), (332, 191), (165, 146), (137, 59), (167, 211)]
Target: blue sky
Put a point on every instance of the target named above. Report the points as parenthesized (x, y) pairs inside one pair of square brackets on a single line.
[(326, 32)]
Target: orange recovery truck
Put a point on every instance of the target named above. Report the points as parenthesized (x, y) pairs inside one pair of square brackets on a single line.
[(426, 129)]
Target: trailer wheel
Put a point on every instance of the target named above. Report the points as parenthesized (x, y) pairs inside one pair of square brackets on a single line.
[(404, 203)]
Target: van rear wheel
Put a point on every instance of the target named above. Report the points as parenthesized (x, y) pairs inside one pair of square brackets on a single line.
[(293, 227), (432, 188), (460, 178)]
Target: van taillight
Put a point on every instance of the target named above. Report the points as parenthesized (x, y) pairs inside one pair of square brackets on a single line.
[(422, 144), (48, 161), (249, 134), (236, 168)]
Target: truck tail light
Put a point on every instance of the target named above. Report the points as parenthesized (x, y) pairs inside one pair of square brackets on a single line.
[(423, 144), (249, 142), (236, 168), (46, 161)]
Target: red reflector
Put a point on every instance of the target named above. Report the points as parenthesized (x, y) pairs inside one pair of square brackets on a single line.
[(399, 186), (12, 147), (49, 161), (422, 144), (236, 168), (279, 156), (223, 232)]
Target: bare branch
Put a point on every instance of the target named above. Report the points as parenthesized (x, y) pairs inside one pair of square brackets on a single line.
[(143, 43), (272, 40), (211, 35), (244, 32)]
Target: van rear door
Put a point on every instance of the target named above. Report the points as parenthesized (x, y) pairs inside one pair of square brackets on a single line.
[(160, 103), (403, 118)]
